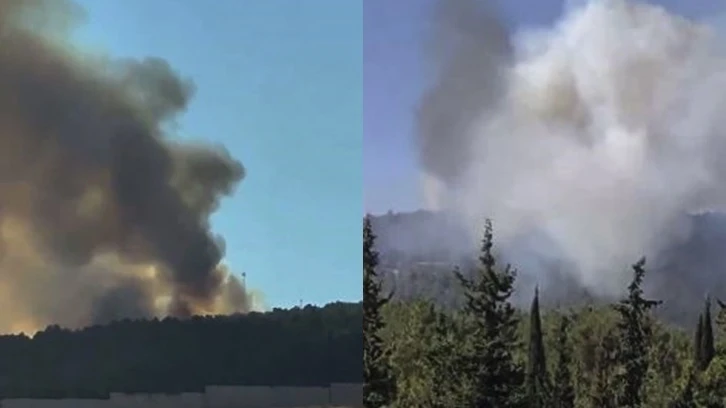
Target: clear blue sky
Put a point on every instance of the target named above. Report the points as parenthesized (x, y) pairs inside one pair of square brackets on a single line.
[(395, 76), (279, 82)]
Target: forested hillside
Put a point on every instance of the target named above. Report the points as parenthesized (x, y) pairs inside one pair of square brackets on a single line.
[(418, 251), (484, 352), (298, 347)]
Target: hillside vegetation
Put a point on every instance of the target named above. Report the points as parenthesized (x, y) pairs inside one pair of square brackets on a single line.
[(418, 251), (484, 352), (309, 346)]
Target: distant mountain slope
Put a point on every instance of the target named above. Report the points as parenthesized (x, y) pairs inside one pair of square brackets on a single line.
[(419, 250)]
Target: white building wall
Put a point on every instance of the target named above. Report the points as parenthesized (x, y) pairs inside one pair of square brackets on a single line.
[(55, 403), (299, 396), (238, 397), (184, 400), (346, 395), (337, 395)]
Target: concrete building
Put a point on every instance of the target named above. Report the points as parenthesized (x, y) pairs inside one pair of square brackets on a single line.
[(336, 395)]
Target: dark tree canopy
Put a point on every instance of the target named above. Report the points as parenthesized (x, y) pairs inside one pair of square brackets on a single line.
[(698, 343), (707, 348), (309, 346)]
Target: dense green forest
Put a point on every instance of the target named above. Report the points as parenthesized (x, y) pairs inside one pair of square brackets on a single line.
[(486, 353), (300, 346)]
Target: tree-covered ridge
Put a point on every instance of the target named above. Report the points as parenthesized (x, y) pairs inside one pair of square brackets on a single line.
[(591, 356), (418, 250), (307, 346)]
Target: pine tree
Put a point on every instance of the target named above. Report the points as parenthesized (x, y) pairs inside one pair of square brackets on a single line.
[(497, 378), (563, 392), (635, 336), (536, 381), (443, 357), (707, 343), (698, 344), (603, 394), (378, 389)]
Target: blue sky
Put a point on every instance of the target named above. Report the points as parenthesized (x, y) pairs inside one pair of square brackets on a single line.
[(279, 83), (395, 76)]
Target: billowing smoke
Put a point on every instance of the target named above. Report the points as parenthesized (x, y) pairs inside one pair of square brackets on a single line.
[(601, 132), (101, 216)]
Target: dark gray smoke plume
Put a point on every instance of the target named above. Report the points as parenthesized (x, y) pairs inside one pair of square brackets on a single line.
[(469, 49), (101, 216)]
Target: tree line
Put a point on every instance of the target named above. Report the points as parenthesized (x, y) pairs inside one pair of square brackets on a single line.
[(308, 346), (487, 354)]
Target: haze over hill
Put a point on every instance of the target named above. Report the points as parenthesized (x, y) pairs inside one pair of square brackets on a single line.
[(419, 250)]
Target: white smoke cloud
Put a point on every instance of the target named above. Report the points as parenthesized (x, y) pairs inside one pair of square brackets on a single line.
[(603, 132)]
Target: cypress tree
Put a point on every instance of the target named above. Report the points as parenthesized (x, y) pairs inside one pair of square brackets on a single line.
[(563, 393), (698, 344), (378, 388), (536, 380), (635, 333), (497, 378), (707, 344), (720, 320)]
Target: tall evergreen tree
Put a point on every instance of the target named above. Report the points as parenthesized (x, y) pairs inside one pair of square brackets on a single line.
[(698, 344), (603, 393), (443, 358), (707, 343), (378, 389), (537, 384), (721, 317), (635, 335), (497, 378), (563, 392)]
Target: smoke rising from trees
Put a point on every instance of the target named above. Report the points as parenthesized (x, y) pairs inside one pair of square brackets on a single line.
[(600, 132)]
